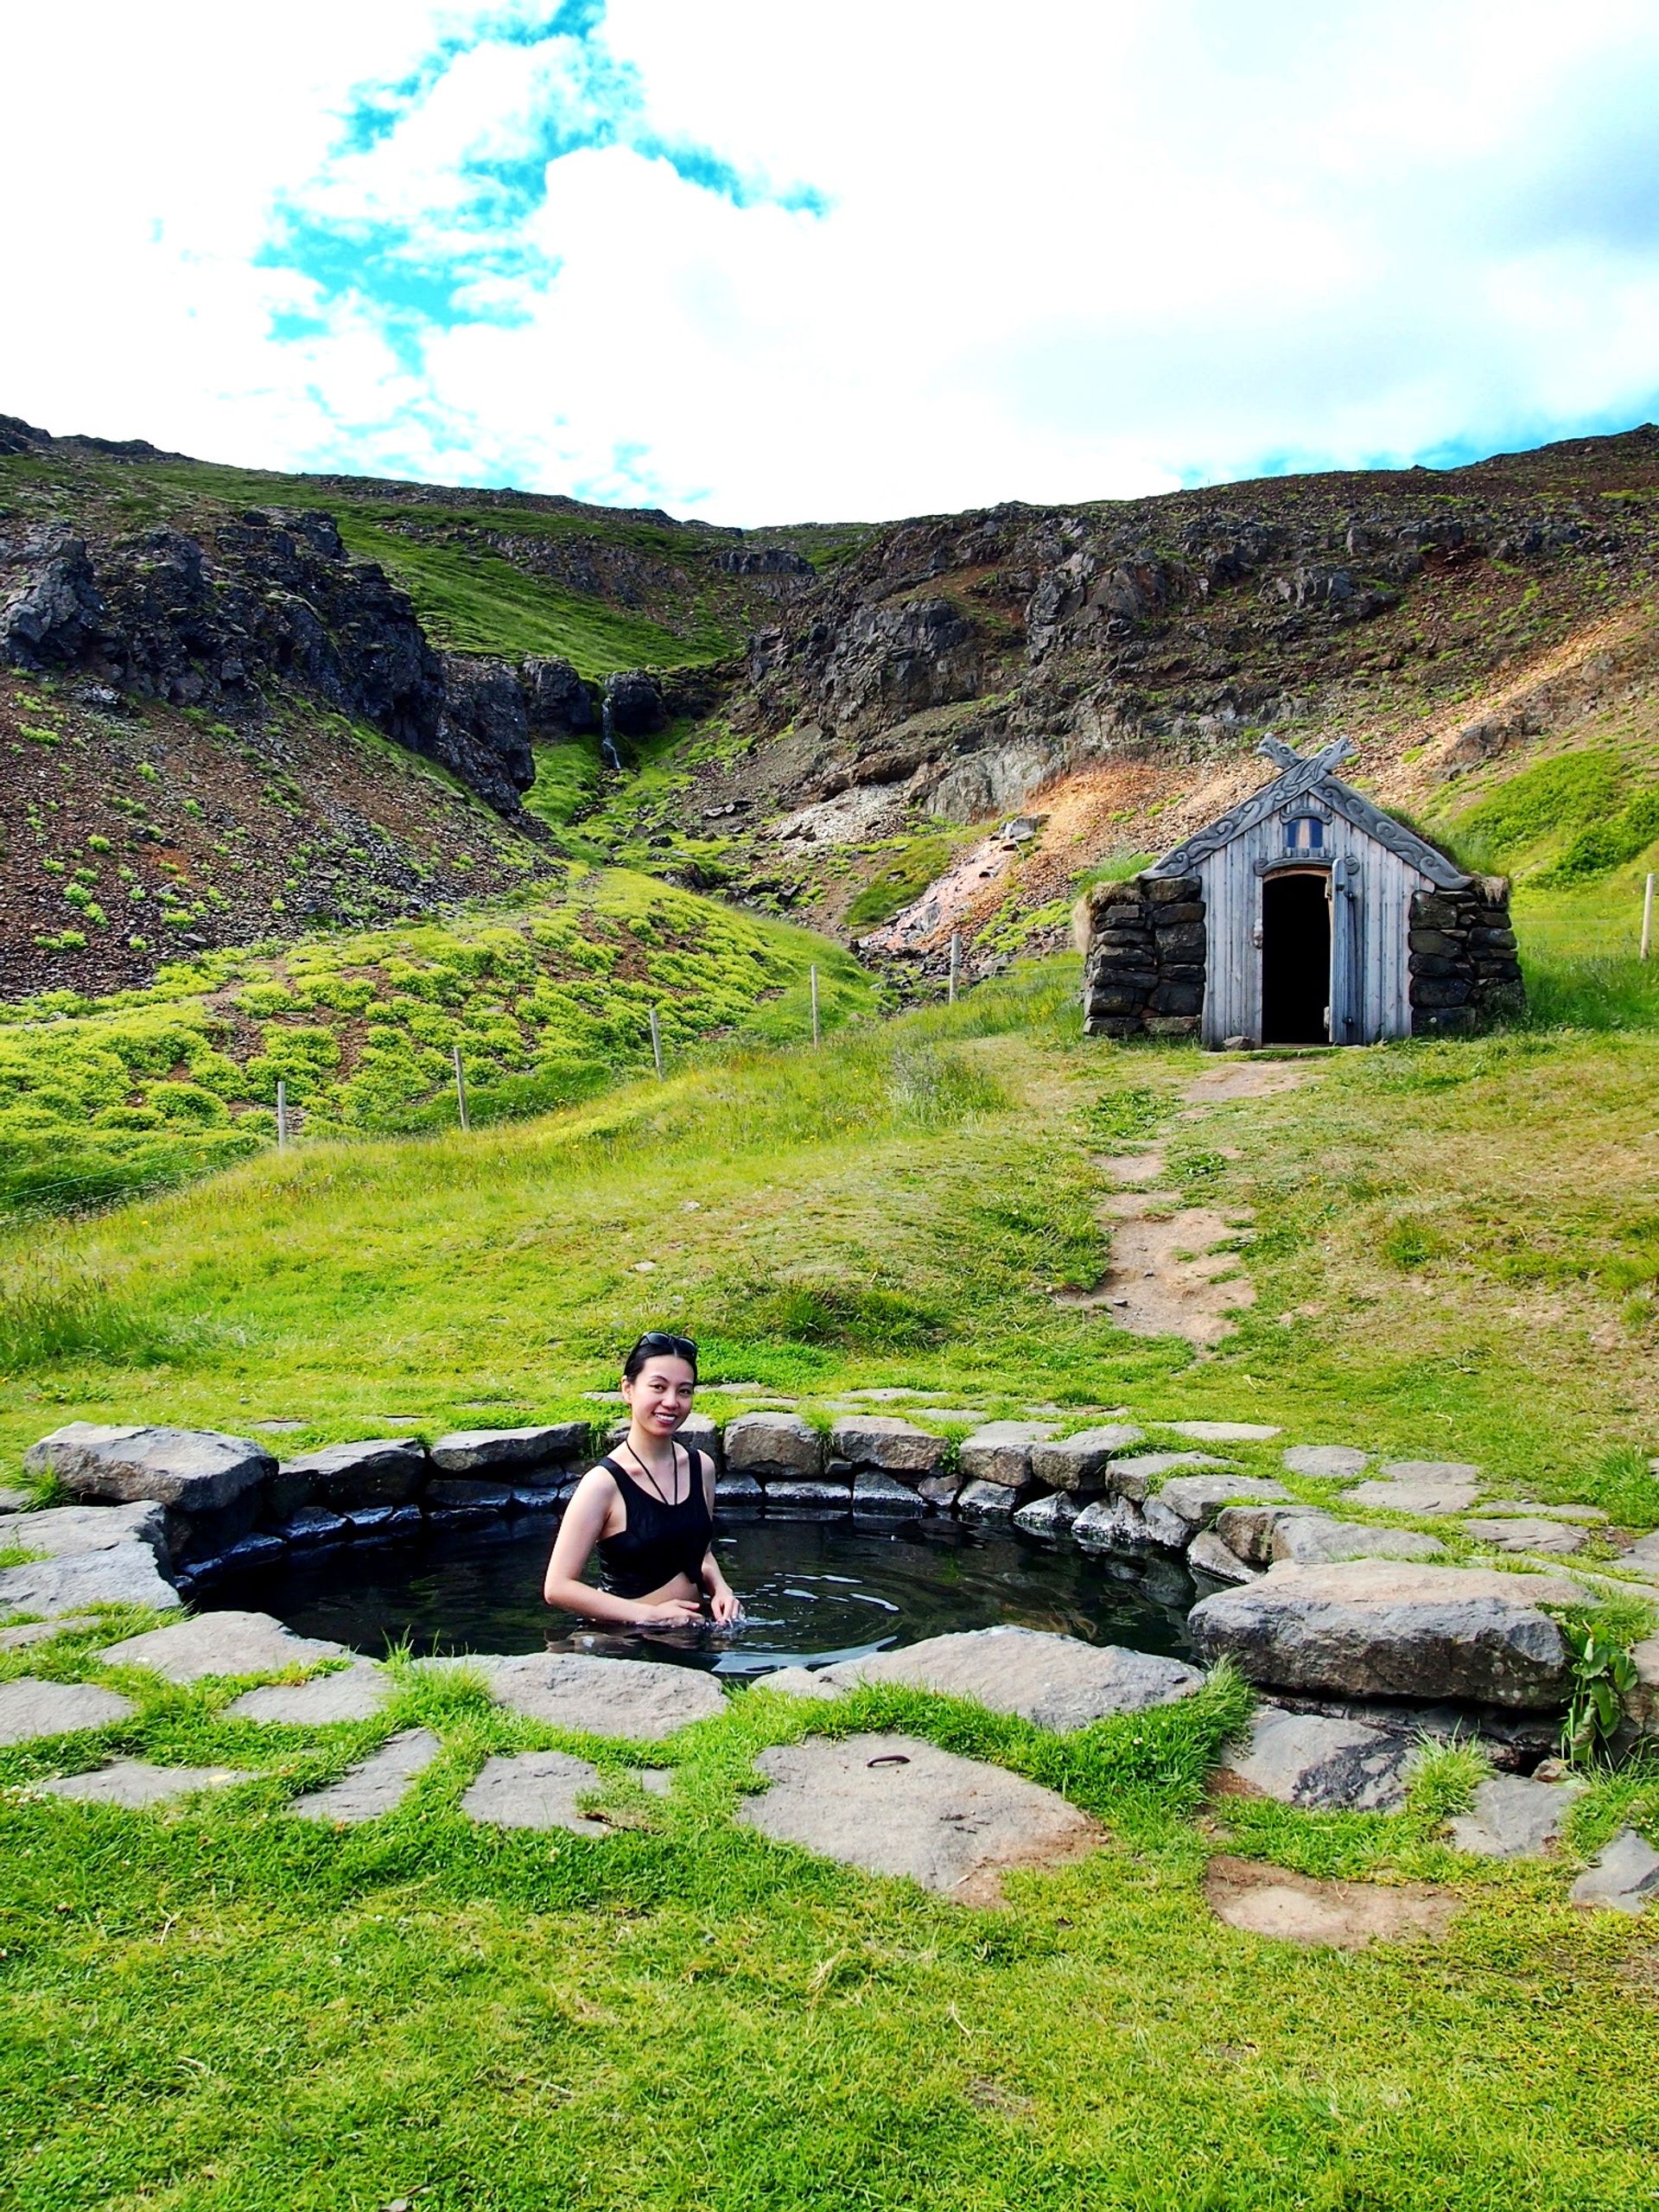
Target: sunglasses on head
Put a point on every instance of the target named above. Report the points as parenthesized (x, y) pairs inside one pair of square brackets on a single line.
[(657, 1342)]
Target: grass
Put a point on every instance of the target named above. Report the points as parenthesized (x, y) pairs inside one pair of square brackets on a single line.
[(219, 2009), (547, 1002)]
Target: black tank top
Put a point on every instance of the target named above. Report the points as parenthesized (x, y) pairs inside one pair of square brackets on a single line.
[(660, 1541)]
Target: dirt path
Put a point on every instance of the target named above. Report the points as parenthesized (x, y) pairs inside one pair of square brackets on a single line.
[(1176, 1269)]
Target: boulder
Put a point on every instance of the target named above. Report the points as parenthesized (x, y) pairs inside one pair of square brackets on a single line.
[(29, 1709), (126, 1575), (1315, 1539), (220, 1644), (1189, 1503), (535, 1789), (635, 703), (897, 1447), (764, 1444), (1514, 1817), (63, 1530), (382, 1470), (986, 1502), (1082, 1462), (1134, 1477), (1325, 1461), (194, 1471), (375, 1786), (1001, 1451), (1379, 1628), (828, 1494), (1115, 1524), (1320, 1764), (557, 702), (1208, 1554), (1624, 1878), (894, 1805), (509, 1451), (874, 1492), (1642, 1706), (1050, 1514), (1528, 1535), (1057, 1681), (466, 1498), (632, 1698)]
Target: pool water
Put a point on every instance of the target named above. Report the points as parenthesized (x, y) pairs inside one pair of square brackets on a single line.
[(814, 1591)]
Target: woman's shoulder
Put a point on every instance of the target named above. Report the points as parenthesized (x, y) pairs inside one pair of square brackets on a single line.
[(602, 1472)]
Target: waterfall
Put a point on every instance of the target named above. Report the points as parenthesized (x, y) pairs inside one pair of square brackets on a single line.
[(606, 739)]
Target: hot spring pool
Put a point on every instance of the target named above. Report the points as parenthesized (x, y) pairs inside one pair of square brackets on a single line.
[(814, 1591)]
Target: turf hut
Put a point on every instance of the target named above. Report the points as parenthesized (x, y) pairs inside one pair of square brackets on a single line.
[(1302, 917)]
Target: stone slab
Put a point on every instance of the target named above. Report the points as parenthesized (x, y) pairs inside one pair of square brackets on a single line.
[(794, 1681), (535, 1789), (354, 1693), (822, 1496), (14, 1501), (1427, 1498), (641, 1699), (1514, 1817), (1526, 1535), (377, 1786), (1056, 1682), (1642, 1704), (1082, 1462), (30, 1709), (1052, 1515), (1624, 1878), (1001, 1451), (1223, 1432), (1428, 1470), (1133, 1476), (126, 1575), (378, 1471), (1115, 1524), (897, 1447), (1189, 1503), (1382, 1628), (195, 1471), (987, 1500), (781, 1444), (509, 1451), (221, 1643), (1527, 1507), (1325, 1462), (874, 1492), (314, 1527), (1320, 1764), (135, 1784), (29, 1633), (62, 1531), (466, 1497), (896, 1805), (1317, 1539)]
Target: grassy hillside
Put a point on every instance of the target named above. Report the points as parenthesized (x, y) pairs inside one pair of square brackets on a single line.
[(547, 1001)]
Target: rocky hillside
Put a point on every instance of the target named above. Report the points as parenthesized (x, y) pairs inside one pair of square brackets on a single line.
[(254, 704)]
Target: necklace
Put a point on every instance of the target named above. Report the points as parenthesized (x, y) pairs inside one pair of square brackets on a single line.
[(652, 1477)]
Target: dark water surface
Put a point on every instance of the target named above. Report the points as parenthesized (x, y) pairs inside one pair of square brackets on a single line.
[(813, 1590)]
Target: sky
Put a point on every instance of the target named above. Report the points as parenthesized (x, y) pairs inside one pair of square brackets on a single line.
[(763, 261)]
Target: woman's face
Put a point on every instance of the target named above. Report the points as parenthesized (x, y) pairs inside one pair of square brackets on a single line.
[(659, 1396)]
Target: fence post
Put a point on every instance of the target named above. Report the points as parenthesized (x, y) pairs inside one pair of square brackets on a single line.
[(461, 1089), (1646, 918), (956, 963), (814, 979), (656, 1043), (282, 1115)]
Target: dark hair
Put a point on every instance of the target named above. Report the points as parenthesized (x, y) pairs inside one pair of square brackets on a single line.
[(657, 1343)]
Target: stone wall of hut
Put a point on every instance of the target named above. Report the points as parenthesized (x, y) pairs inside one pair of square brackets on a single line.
[(1465, 971), (1143, 958)]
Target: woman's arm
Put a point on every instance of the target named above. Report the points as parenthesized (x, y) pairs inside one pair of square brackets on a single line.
[(579, 1530), (722, 1599)]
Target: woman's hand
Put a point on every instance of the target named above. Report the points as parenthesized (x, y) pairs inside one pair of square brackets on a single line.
[(669, 1613), (725, 1607)]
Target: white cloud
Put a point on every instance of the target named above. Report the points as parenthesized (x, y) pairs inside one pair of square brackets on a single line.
[(1088, 247)]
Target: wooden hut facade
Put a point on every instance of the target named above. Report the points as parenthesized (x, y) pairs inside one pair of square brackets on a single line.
[(1304, 916)]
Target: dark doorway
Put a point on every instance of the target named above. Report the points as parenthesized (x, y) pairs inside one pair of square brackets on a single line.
[(1295, 958)]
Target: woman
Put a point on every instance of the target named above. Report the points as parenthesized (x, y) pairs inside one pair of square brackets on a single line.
[(648, 1510)]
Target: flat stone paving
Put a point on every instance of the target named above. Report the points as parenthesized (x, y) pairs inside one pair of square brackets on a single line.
[(1624, 1878), (124, 1574), (136, 1783), (356, 1693), (535, 1789), (895, 1805), (220, 1644), (29, 1708), (605, 1697), (1514, 1817), (1319, 1764), (1058, 1681), (363, 1792)]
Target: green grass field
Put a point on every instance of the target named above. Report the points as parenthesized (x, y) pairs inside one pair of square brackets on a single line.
[(1454, 1249)]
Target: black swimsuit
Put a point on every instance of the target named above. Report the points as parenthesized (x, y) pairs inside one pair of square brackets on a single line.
[(660, 1541)]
